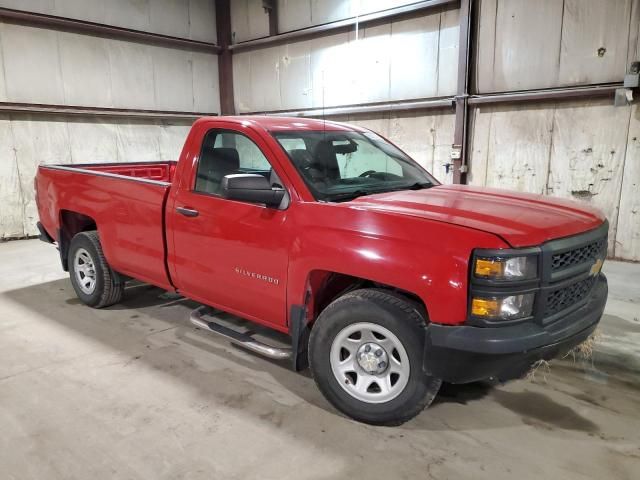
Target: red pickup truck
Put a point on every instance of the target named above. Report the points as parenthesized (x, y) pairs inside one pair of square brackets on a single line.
[(386, 281)]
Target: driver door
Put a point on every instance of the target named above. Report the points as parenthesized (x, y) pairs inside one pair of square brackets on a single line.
[(230, 254)]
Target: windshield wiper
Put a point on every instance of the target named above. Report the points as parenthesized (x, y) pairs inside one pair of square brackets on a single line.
[(414, 186), (350, 195), (363, 192)]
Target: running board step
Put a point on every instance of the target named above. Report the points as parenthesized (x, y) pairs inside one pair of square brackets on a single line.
[(242, 339)]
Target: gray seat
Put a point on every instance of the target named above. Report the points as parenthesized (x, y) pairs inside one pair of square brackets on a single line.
[(214, 165)]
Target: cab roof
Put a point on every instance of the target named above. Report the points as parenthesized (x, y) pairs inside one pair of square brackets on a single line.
[(283, 124)]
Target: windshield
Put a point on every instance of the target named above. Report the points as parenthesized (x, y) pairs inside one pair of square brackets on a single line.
[(340, 166)]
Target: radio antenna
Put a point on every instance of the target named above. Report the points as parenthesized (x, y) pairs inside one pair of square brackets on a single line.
[(324, 120)]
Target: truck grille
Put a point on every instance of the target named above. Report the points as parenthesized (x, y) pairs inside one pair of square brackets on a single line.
[(558, 300), (567, 278), (579, 255)]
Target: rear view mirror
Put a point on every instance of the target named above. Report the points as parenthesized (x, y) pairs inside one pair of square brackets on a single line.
[(345, 147), (251, 187)]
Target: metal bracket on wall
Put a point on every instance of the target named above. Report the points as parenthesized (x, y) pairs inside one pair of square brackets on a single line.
[(624, 96)]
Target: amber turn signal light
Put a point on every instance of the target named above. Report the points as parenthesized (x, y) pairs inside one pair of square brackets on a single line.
[(490, 268), (485, 307)]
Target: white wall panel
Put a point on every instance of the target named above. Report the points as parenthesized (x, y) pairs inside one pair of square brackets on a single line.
[(57, 67), (31, 64), (589, 26), (587, 158), (295, 76), (11, 198), (427, 137), (548, 43), (325, 11), (519, 44), (202, 20), (628, 235), (403, 60), (84, 62), (265, 78), (40, 6), (29, 140), (138, 141), (91, 11), (37, 141), (169, 17), (133, 87), (248, 20), (128, 14), (242, 82), (580, 148), (206, 97), (173, 79), (332, 71), (171, 140), (296, 14), (370, 53), (193, 19), (448, 43), (416, 38), (293, 14), (93, 141), (511, 148)]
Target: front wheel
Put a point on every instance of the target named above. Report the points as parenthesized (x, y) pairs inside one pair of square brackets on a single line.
[(365, 353), (95, 283)]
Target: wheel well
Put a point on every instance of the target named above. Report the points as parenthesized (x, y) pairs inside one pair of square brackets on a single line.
[(72, 223), (323, 287)]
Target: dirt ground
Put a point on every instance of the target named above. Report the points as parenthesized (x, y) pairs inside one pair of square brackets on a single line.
[(134, 391)]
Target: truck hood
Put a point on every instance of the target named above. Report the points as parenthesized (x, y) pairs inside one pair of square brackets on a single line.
[(520, 219)]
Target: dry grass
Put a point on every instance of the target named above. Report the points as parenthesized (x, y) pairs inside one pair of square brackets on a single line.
[(541, 366), (584, 351)]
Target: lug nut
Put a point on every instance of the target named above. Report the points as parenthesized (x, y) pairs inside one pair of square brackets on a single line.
[(378, 352), (382, 364), (367, 348)]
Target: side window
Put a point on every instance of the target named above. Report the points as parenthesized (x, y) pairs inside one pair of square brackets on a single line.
[(225, 153)]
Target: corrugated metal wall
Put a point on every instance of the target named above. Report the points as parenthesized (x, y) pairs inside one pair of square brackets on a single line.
[(50, 66), (587, 150)]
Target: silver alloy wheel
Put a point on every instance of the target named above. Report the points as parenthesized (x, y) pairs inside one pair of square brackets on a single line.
[(85, 271), (369, 362)]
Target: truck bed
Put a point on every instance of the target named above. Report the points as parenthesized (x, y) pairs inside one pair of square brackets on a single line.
[(125, 201), (157, 171)]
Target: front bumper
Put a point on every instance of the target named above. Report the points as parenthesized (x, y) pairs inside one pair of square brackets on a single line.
[(462, 354)]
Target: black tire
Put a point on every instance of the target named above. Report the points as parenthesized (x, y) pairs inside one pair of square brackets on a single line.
[(109, 286), (401, 317)]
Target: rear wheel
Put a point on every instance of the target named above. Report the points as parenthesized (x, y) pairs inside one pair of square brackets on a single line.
[(95, 283), (366, 352)]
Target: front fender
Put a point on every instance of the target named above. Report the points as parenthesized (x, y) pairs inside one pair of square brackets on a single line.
[(427, 258)]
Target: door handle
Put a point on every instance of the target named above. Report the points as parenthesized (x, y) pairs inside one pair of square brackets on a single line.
[(187, 212)]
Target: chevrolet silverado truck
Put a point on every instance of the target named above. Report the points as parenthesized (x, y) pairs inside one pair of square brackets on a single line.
[(387, 282)]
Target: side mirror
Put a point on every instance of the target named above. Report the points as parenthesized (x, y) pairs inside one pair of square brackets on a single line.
[(251, 187)]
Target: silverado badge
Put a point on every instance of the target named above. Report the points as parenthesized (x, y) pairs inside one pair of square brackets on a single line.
[(596, 267)]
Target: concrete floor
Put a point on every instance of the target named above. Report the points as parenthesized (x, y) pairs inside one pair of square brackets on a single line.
[(134, 391)]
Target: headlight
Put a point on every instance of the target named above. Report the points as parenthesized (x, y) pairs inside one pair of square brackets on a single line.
[(509, 268), (503, 308)]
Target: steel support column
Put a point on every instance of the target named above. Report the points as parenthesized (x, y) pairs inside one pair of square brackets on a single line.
[(225, 60), (459, 148), (272, 9)]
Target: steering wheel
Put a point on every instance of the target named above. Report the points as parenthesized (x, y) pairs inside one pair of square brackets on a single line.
[(367, 173)]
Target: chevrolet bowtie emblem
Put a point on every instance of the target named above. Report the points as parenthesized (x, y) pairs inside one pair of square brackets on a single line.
[(596, 267)]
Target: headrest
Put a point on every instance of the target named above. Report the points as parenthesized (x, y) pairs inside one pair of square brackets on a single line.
[(301, 157), (227, 158)]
